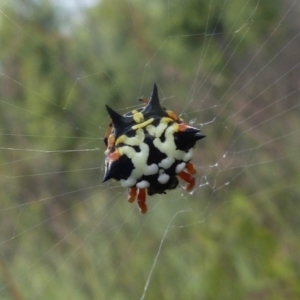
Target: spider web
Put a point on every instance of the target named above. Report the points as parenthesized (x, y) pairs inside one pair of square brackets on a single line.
[(229, 68)]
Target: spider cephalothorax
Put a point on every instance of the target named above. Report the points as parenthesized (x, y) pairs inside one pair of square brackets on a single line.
[(147, 149)]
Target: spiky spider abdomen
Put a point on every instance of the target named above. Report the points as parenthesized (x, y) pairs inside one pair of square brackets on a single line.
[(147, 149)]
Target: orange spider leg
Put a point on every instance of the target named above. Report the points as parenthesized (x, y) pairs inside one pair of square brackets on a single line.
[(143, 100), (142, 200), (189, 179), (132, 194), (111, 141), (107, 133), (190, 167), (172, 115)]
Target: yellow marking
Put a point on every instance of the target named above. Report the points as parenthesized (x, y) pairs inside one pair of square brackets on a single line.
[(139, 134), (142, 125), (135, 140), (151, 129), (138, 117), (121, 150), (166, 120), (169, 147), (121, 139), (176, 127), (163, 124)]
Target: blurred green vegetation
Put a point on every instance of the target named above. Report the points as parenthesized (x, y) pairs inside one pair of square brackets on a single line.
[(64, 234)]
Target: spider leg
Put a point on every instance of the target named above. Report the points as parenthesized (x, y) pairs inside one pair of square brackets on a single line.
[(189, 179), (107, 133), (131, 194), (190, 167), (172, 115), (141, 199), (143, 100)]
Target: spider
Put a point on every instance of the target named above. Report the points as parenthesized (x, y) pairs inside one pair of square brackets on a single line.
[(148, 149)]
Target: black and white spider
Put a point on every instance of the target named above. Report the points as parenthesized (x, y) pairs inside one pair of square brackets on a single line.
[(148, 149)]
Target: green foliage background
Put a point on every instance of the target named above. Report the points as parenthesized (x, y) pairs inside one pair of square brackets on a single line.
[(66, 235)]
